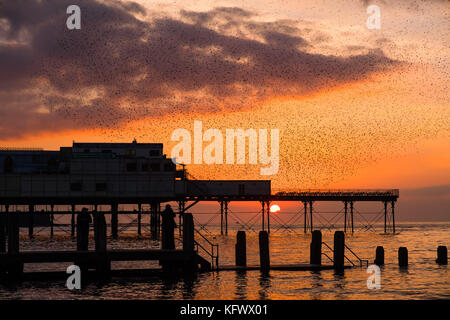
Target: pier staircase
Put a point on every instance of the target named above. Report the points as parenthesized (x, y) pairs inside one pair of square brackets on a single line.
[(352, 254)]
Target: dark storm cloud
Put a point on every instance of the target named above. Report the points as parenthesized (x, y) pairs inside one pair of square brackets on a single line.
[(122, 66)]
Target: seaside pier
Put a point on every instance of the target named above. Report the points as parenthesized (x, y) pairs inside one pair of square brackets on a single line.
[(37, 187)]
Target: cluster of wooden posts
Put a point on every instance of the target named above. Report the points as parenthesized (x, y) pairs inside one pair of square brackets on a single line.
[(170, 259), (442, 258), (316, 251)]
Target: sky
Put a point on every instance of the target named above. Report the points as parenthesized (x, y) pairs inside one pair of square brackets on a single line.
[(356, 107)]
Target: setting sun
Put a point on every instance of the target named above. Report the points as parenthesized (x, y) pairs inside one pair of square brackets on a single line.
[(274, 208)]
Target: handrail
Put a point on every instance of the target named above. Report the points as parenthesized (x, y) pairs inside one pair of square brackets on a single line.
[(214, 254), (360, 260), (327, 256), (326, 244)]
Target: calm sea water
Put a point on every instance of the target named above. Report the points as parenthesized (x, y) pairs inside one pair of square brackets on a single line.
[(423, 279)]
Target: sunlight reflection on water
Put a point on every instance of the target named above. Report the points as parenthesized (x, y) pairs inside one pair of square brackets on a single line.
[(423, 279)]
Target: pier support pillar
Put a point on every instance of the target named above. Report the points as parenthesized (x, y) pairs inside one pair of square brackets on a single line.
[(264, 256), (181, 208), (403, 257), (226, 217), (379, 256), (52, 218), (262, 214), (311, 216), (385, 216), (139, 228), (351, 215), (221, 217), (442, 257), (30, 221), (241, 249), (15, 269), (345, 215), (315, 253), (154, 220), (114, 221), (305, 224), (268, 216), (2, 232), (72, 222), (393, 215), (339, 249)]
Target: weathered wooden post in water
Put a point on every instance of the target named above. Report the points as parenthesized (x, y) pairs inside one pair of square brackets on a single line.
[(339, 249), (83, 220), (2, 232), (264, 256), (103, 266), (442, 257), (114, 221), (315, 248), (15, 269), (379, 256), (403, 257), (188, 241), (241, 249)]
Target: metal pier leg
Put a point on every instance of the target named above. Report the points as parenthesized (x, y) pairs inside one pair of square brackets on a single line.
[(345, 216), (268, 216), (262, 213), (31, 221), (311, 216), (385, 216), (139, 231), (351, 214), (51, 220), (221, 217), (393, 216), (72, 222), (226, 217), (305, 206)]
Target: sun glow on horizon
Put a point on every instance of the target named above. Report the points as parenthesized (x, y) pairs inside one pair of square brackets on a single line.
[(274, 208)]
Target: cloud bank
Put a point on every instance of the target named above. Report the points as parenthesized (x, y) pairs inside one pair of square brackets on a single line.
[(127, 63)]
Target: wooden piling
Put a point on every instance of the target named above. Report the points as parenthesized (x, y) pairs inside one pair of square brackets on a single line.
[(379, 256), (114, 221), (100, 232), (13, 233), (83, 220), (15, 269), (315, 256), (103, 265), (188, 233), (139, 231), (241, 249), (2, 232), (442, 257), (264, 256), (30, 221), (403, 257), (72, 222), (339, 249)]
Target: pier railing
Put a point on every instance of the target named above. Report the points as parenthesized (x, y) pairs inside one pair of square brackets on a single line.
[(336, 192), (213, 253), (361, 261)]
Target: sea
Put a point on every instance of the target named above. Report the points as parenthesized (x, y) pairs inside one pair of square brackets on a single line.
[(423, 279)]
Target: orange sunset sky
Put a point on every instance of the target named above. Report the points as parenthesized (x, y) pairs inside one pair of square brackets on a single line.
[(356, 108)]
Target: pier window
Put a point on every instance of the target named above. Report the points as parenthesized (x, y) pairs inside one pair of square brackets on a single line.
[(131, 167), (76, 186), (155, 153), (155, 167), (100, 186)]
